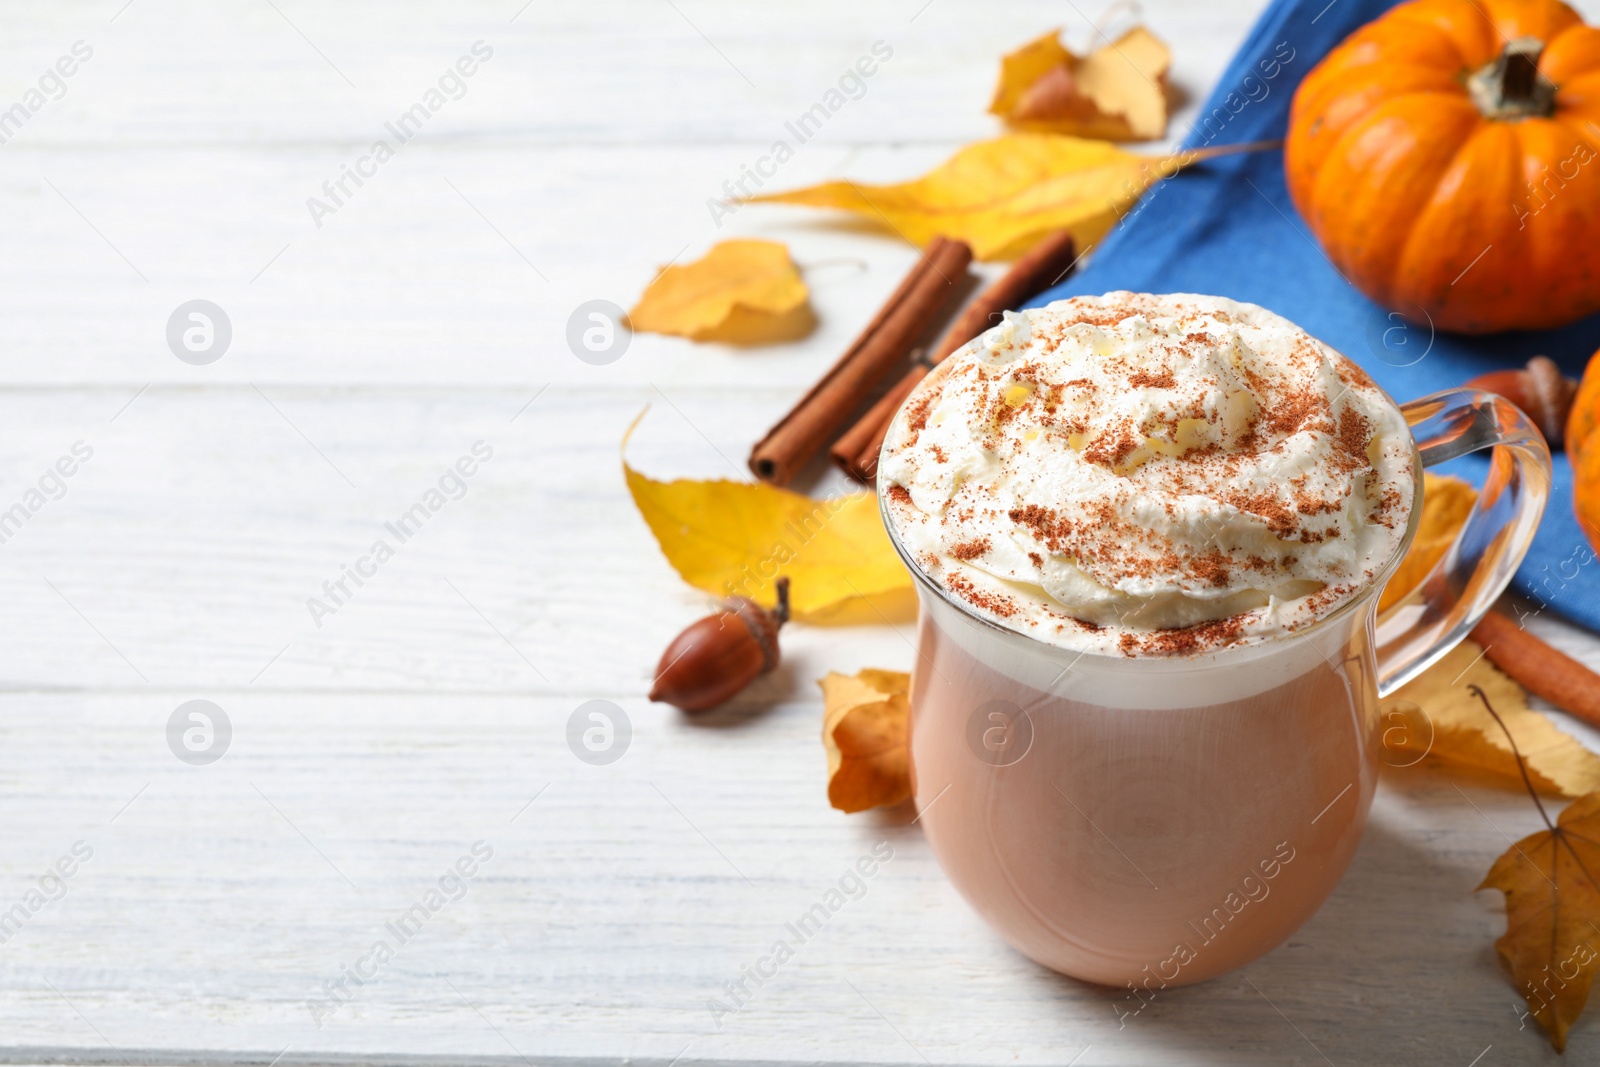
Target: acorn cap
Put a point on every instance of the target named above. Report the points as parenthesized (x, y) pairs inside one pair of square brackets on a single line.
[(762, 624)]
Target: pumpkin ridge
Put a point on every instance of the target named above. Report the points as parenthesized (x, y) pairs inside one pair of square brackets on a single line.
[(1386, 52), (1581, 112), (1553, 214), (1572, 55), (1585, 130), (1421, 238), (1567, 95), (1474, 41), (1372, 249), (1306, 155), (1574, 27), (1355, 125), (1372, 61), (1511, 19)]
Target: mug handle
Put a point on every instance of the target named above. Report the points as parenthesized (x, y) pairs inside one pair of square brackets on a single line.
[(1464, 584)]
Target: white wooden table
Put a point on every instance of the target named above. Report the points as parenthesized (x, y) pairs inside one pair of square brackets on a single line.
[(369, 753)]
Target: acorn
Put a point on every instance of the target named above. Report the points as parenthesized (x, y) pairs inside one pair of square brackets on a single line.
[(1540, 389), (717, 656)]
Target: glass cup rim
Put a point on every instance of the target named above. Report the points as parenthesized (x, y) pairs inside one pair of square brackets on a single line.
[(1353, 605)]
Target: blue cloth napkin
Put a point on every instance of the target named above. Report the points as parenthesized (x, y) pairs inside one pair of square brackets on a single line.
[(1228, 228)]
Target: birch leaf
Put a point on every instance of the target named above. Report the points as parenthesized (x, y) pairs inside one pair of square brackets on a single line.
[(741, 292)]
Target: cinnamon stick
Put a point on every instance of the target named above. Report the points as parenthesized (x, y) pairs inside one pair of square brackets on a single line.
[(812, 422), (1045, 264), (1540, 668), (856, 453), (1052, 259)]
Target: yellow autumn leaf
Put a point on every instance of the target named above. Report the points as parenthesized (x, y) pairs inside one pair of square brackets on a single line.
[(1117, 92), (741, 292), (735, 538), (1436, 716), (1446, 502), (864, 734), (1002, 196)]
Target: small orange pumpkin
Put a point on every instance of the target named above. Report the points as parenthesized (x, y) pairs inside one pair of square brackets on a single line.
[(1583, 449), (1447, 157)]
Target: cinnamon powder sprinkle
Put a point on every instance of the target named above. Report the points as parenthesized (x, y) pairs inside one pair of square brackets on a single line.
[(1281, 519), (1354, 433), (1211, 568), (1296, 411), (1204, 635), (1053, 532), (970, 549), (1115, 445), (994, 603), (1162, 379)]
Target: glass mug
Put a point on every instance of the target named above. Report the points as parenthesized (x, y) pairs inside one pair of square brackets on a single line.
[(1157, 821)]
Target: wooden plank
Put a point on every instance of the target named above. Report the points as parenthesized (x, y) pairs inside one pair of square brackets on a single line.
[(563, 175), (562, 71), (185, 551), (616, 904), (450, 268)]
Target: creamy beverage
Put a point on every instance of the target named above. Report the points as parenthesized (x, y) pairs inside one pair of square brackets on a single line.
[(1119, 853), (1150, 531)]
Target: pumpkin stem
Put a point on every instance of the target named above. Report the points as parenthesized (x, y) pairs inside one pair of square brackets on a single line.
[(1510, 87)]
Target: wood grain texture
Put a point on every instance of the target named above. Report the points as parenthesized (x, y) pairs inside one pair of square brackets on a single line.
[(431, 711), (617, 903)]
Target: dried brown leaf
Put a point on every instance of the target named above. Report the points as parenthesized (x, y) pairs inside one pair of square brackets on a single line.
[(1552, 939), (864, 733), (1117, 92)]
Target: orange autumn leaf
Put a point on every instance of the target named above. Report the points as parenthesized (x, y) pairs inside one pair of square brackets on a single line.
[(741, 292), (1552, 941), (1117, 92), (864, 733)]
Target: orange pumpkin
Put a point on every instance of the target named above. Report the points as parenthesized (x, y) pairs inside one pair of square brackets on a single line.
[(1444, 156), (1583, 449)]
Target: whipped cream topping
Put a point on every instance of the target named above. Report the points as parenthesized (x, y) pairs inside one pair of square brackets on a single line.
[(1136, 474)]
